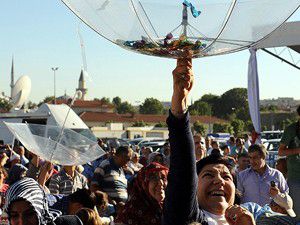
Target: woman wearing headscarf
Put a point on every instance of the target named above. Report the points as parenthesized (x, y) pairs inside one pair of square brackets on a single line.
[(26, 204), (144, 206)]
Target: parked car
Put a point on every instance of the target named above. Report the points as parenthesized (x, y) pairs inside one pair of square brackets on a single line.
[(270, 135), (141, 141), (155, 145), (115, 142), (272, 149)]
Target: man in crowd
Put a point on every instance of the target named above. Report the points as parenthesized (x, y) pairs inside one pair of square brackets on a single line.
[(243, 162), (110, 177), (67, 181), (200, 148), (255, 182), (290, 147)]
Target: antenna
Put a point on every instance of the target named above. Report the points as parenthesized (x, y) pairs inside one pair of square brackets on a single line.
[(12, 77), (20, 92), (82, 47)]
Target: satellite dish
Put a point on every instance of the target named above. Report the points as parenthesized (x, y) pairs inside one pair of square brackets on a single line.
[(21, 91)]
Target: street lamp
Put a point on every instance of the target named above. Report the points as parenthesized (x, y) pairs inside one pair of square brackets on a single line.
[(54, 69)]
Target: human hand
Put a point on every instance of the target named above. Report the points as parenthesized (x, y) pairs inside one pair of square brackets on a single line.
[(236, 215), (274, 191), (3, 159), (183, 80)]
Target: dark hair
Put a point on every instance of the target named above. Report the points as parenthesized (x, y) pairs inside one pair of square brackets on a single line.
[(83, 196), (243, 154), (232, 139), (122, 150), (298, 110), (261, 149), (101, 198), (89, 216), (224, 147), (213, 159)]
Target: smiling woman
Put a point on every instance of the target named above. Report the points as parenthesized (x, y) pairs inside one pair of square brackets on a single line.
[(144, 206), (209, 197)]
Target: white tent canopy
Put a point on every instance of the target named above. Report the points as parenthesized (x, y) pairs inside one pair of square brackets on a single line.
[(285, 36)]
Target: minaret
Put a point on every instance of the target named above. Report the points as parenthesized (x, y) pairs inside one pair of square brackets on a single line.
[(81, 85), (12, 77)]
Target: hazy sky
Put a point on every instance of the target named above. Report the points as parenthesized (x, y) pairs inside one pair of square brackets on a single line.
[(43, 33)]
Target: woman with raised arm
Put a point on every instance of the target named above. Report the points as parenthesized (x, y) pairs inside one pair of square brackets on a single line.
[(202, 192)]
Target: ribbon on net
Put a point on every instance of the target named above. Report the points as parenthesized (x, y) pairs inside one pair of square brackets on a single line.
[(194, 11)]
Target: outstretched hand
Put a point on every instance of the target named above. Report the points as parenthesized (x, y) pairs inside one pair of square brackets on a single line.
[(183, 80)]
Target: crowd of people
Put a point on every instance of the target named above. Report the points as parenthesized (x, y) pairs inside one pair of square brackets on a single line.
[(190, 180)]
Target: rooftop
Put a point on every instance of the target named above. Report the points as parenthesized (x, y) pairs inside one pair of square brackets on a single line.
[(131, 118)]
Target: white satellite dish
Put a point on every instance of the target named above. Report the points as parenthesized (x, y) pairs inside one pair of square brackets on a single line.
[(21, 91)]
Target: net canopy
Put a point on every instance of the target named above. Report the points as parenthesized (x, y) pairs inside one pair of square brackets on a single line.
[(51, 143), (167, 28)]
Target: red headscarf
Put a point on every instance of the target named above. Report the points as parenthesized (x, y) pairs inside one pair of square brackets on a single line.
[(142, 208)]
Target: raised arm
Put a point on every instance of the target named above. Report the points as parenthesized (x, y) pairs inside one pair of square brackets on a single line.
[(181, 204)]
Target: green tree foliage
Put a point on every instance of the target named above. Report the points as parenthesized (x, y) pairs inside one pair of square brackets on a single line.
[(222, 128), (248, 126), (152, 106), (5, 105), (31, 105), (47, 99), (105, 100), (125, 107), (199, 128), (200, 108), (117, 101), (231, 102), (139, 124), (161, 124), (285, 123), (212, 100), (238, 126)]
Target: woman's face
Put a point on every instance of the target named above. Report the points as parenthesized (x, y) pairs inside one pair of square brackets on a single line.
[(22, 213), (216, 189), (157, 185), (159, 159)]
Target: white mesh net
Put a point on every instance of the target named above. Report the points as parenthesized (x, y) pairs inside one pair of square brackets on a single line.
[(157, 27), (65, 147)]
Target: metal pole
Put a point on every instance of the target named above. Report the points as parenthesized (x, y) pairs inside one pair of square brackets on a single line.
[(282, 59), (184, 22), (54, 69)]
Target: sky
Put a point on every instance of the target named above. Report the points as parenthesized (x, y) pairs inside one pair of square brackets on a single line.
[(43, 34)]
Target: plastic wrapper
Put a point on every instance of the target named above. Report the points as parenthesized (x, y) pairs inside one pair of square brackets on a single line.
[(51, 143)]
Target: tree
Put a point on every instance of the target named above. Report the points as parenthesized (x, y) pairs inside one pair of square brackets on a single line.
[(212, 100), (223, 128), (139, 124), (5, 105), (161, 124), (125, 107), (105, 100), (238, 126), (47, 99), (200, 108), (117, 101), (231, 102), (199, 128), (31, 105), (152, 106)]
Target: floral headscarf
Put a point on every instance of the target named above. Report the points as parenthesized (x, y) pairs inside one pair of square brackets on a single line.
[(142, 208)]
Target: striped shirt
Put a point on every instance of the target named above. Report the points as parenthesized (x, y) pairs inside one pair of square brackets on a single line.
[(111, 179), (62, 183)]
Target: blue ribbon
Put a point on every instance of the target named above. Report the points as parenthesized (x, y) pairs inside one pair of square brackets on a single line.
[(194, 11)]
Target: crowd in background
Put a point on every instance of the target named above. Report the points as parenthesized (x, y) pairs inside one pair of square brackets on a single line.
[(190, 180)]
